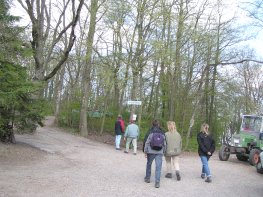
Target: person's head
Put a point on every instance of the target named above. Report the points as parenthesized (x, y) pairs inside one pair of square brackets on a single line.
[(132, 121), (171, 126), (204, 128), (119, 117), (156, 123)]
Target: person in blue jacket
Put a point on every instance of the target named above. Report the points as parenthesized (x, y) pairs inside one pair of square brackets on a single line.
[(130, 136)]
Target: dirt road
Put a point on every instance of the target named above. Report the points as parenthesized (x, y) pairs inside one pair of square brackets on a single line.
[(59, 164)]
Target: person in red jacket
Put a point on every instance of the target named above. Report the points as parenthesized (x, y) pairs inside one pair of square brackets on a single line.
[(119, 129), (122, 124)]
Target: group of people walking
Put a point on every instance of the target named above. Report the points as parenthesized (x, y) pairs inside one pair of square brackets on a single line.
[(131, 134), (158, 143)]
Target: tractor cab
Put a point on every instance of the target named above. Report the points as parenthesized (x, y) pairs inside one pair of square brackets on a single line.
[(252, 125), (248, 143)]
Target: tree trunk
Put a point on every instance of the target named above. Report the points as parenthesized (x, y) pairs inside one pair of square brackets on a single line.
[(176, 73), (198, 98), (58, 94), (87, 71)]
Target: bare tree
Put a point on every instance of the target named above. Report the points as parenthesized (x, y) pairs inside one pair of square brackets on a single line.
[(255, 11), (48, 33)]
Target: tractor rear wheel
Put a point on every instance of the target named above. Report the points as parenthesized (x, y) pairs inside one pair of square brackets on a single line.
[(254, 156), (224, 153)]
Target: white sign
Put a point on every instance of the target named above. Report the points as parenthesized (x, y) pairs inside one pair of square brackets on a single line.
[(134, 102), (134, 116)]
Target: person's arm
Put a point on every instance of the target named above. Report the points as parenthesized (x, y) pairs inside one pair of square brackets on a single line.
[(147, 143), (165, 144), (213, 147), (122, 125), (126, 132), (145, 140)]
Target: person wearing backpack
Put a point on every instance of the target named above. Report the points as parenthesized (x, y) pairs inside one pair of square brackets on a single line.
[(154, 147), (173, 150)]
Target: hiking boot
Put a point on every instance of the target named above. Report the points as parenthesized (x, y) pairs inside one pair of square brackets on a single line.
[(208, 179), (146, 180), (125, 151), (178, 177), (202, 175), (134, 153), (157, 185), (168, 175), (118, 149)]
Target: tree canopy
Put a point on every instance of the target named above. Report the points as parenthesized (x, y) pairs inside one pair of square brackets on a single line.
[(183, 59)]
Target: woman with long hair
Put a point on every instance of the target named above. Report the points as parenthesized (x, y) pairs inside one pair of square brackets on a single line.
[(173, 150), (206, 147)]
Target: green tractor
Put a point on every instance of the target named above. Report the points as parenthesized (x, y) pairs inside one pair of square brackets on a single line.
[(248, 143)]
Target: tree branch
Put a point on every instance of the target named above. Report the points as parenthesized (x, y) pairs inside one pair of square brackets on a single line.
[(237, 62), (72, 38)]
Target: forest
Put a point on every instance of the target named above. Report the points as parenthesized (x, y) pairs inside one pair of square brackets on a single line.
[(82, 61)]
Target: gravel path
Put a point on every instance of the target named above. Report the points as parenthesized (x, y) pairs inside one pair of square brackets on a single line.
[(54, 163)]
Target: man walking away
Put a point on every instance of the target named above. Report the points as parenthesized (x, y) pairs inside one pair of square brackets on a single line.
[(130, 136), (154, 148)]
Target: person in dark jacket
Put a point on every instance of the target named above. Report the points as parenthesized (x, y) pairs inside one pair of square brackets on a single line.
[(119, 129), (206, 147), (152, 154)]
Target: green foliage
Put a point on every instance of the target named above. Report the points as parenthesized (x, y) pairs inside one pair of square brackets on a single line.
[(94, 124), (69, 119), (193, 145), (144, 128), (47, 109), (69, 115), (18, 107)]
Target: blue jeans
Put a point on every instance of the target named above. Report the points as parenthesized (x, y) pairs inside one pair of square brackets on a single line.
[(158, 166), (205, 167), (117, 141)]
